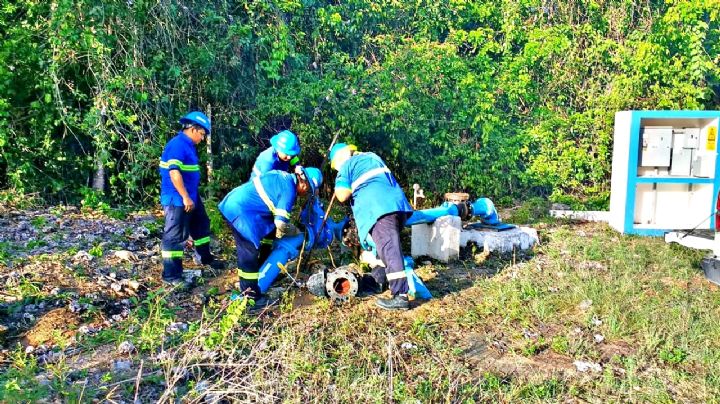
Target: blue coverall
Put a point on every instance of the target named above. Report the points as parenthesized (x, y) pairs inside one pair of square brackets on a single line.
[(180, 154), (251, 210), (380, 209)]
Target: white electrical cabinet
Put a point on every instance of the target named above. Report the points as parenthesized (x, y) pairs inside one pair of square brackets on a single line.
[(665, 171)]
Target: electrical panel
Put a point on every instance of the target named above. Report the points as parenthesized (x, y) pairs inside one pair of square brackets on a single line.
[(665, 173), (674, 151)]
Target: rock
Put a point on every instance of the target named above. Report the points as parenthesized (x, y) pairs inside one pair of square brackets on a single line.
[(407, 345), (121, 365), (599, 338), (134, 285), (43, 379), (583, 366), (82, 257), (126, 348), (49, 358), (559, 206), (190, 274), (29, 349), (116, 287), (585, 304), (74, 306), (177, 327)]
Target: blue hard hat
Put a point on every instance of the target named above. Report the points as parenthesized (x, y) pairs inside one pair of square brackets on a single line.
[(286, 142), (197, 118), (314, 177), (338, 148)]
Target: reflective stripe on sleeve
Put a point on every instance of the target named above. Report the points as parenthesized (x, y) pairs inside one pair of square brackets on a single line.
[(183, 167), (366, 176)]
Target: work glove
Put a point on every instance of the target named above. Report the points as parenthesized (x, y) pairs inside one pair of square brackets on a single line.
[(283, 229)]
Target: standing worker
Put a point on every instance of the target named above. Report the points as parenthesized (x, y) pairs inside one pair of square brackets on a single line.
[(282, 153), (380, 209), (260, 207), (184, 211)]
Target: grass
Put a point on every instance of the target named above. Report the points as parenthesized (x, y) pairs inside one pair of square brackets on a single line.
[(638, 307)]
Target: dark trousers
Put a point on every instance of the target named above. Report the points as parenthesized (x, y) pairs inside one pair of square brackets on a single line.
[(266, 246), (386, 235), (248, 264), (179, 225)]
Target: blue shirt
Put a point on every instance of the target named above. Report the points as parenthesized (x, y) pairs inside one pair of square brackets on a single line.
[(251, 214), (179, 154), (375, 192), (268, 160)]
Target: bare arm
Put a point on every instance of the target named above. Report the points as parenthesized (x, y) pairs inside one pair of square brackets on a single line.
[(342, 194), (178, 183)]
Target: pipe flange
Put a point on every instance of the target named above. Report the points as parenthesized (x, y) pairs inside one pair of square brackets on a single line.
[(341, 285)]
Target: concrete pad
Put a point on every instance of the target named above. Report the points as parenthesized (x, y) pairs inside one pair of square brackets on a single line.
[(522, 238), (439, 240)]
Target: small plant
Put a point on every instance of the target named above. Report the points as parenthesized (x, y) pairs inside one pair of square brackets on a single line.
[(560, 344), (673, 356), (5, 251), (18, 382), (96, 251), (38, 222), (155, 316), (232, 317)]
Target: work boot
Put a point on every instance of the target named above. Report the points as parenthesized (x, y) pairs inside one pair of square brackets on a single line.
[(216, 264), (176, 284), (397, 302), (370, 286)]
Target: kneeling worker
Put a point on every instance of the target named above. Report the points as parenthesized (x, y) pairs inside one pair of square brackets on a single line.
[(258, 208), (380, 209)]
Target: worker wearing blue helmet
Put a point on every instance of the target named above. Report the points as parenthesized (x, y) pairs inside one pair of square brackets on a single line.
[(380, 209), (185, 214), (260, 207), (282, 153)]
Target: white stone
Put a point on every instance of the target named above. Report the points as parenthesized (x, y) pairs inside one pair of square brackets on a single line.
[(583, 366), (440, 240)]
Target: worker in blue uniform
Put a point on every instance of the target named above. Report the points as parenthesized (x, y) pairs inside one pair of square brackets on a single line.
[(259, 207), (380, 209), (184, 210), (282, 153)]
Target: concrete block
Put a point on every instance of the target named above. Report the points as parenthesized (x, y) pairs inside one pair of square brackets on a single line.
[(589, 216), (522, 238), (439, 240)]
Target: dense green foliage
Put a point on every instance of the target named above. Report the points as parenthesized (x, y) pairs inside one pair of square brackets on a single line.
[(499, 98)]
